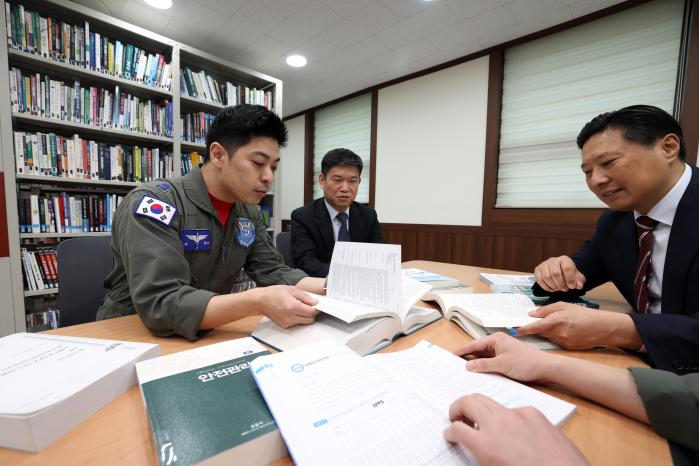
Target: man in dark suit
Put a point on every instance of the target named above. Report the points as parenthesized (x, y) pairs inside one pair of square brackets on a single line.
[(335, 217), (647, 244)]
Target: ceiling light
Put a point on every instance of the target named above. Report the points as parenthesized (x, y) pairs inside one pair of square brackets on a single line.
[(160, 4), (297, 61)]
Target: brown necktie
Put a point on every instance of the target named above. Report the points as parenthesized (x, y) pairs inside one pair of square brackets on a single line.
[(644, 230)]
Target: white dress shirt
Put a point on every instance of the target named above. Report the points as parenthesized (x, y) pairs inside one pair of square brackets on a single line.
[(664, 213), (334, 220)]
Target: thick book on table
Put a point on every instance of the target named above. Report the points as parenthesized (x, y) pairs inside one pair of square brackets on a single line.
[(204, 407), (49, 383), (334, 407), (482, 314)]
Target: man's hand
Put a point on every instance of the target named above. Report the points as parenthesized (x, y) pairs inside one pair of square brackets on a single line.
[(559, 274), (500, 436), (285, 305), (577, 328), (502, 354)]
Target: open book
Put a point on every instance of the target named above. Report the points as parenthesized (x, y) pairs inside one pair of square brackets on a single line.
[(482, 314), (334, 407), (369, 303)]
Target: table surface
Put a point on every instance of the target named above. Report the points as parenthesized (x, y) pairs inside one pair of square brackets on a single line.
[(119, 433)]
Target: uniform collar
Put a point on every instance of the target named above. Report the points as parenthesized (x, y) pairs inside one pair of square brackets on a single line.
[(196, 191)]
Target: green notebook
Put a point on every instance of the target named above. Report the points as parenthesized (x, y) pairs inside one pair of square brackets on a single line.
[(204, 406)]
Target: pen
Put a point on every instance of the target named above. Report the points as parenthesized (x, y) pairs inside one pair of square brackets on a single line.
[(512, 331)]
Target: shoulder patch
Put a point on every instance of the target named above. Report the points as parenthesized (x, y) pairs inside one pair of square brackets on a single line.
[(156, 209), (165, 187), (245, 232)]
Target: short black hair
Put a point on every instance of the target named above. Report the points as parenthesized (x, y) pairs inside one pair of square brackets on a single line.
[(340, 156), (235, 126), (642, 124)]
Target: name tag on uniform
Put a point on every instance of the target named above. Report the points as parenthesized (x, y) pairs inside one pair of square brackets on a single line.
[(196, 240)]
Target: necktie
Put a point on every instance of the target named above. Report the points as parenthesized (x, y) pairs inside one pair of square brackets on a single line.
[(343, 234), (644, 230)]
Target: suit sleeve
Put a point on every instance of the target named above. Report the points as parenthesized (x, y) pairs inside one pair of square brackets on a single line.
[(670, 339), (304, 250), (672, 405), (158, 273), (376, 235)]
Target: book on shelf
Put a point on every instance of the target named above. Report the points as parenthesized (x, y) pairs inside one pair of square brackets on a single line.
[(368, 303), (40, 95), (189, 160), (40, 268), (201, 85), (196, 125), (204, 407), (482, 314), (50, 154), (62, 212), (80, 375), (43, 320), (81, 45), (334, 407)]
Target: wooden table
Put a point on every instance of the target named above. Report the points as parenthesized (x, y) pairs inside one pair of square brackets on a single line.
[(119, 433)]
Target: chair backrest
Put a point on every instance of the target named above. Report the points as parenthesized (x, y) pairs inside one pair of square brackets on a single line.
[(284, 245), (83, 264)]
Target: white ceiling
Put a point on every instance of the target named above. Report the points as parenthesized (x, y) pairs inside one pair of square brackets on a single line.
[(350, 44)]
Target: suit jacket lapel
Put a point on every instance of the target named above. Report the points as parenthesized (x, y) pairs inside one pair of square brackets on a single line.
[(682, 247), (355, 223), (325, 228)]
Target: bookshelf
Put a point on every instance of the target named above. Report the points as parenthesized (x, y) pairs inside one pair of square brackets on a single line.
[(103, 135)]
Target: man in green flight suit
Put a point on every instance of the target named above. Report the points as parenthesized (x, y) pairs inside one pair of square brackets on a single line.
[(179, 245)]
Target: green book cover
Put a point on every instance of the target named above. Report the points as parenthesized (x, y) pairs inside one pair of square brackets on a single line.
[(198, 410)]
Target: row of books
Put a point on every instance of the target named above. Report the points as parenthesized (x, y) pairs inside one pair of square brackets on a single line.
[(78, 45), (50, 154), (40, 95), (45, 319), (203, 86), (189, 160), (195, 126), (40, 268), (62, 212)]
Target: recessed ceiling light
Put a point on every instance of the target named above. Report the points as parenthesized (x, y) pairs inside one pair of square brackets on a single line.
[(160, 4), (297, 61)]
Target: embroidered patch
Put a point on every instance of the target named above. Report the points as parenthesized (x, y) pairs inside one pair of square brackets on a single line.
[(156, 209), (245, 232), (196, 240), (163, 186)]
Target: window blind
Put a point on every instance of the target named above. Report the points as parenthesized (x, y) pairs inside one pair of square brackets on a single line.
[(346, 124), (554, 85)]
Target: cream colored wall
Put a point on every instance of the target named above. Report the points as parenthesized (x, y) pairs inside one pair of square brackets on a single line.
[(291, 173), (431, 147)]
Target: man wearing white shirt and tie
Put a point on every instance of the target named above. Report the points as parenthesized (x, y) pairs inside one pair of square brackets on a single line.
[(647, 244), (316, 226)]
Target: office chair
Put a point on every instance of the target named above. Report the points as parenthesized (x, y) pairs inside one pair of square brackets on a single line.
[(284, 245), (83, 265)]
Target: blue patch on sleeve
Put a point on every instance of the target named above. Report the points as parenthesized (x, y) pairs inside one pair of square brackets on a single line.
[(165, 187), (196, 240)]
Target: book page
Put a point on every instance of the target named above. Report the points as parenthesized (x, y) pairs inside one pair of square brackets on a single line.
[(491, 310), (440, 377), (348, 311), (333, 407), (411, 292), (367, 274)]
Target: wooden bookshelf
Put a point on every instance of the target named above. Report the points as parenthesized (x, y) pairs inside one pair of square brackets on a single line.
[(77, 234), (45, 291), (59, 180)]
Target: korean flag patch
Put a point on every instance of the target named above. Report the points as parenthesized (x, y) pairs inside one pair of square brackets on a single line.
[(245, 232), (156, 209)]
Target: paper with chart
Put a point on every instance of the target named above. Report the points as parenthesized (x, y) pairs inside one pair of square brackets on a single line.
[(332, 407)]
